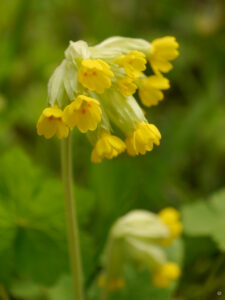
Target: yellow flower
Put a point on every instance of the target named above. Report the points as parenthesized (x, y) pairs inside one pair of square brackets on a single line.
[(95, 75), (50, 123), (107, 146), (169, 215), (150, 89), (171, 218), (142, 139), (84, 112), (133, 63), (163, 51), (165, 274), (126, 86)]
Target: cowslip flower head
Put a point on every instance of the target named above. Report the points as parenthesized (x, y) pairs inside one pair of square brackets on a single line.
[(107, 146), (164, 50), (84, 112), (94, 87), (136, 239), (166, 273), (150, 89), (142, 139), (50, 123), (171, 218)]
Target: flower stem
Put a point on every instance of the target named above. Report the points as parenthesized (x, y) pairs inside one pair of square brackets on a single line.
[(72, 226)]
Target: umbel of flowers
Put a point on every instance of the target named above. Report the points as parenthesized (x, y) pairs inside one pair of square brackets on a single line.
[(92, 89), (140, 238)]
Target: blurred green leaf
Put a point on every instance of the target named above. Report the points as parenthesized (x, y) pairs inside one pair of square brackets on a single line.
[(62, 290), (32, 220), (34, 224), (206, 218)]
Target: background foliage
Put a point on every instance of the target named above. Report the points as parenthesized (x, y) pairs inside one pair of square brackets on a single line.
[(186, 171)]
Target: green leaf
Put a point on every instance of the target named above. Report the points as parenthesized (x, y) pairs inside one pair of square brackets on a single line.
[(62, 290), (32, 220), (198, 218), (25, 289), (206, 218)]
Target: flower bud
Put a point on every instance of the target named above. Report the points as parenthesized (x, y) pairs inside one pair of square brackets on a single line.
[(136, 239)]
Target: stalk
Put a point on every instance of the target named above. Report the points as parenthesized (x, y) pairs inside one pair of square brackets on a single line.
[(71, 218)]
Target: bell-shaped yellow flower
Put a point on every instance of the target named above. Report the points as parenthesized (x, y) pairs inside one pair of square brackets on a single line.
[(171, 218), (107, 146), (143, 139), (126, 86), (84, 112), (164, 50), (95, 74), (133, 63), (50, 123), (165, 274), (150, 89)]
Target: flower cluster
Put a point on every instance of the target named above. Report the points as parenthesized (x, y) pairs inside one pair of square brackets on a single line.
[(136, 238), (92, 89)]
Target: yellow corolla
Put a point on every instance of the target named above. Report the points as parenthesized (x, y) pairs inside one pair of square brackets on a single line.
[(84, 112), (171, 218), (50, 123), (163, 50), (107, 146), (142, 139), (150, 89), (126, 86), (133, 63), (166, 273), (95, 74)]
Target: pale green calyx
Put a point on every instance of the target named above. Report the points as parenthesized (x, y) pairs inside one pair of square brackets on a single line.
[(125, 45), (76, 51), (139, 224)]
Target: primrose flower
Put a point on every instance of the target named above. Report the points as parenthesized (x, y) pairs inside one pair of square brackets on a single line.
[(126, 86), (107, 146), (171, 218), (142, 139), (136, 239), (84, 112), (133, 63), (163, 51), (166, 273), (95, 75), (150, 89), (50, 123), (93, 90)]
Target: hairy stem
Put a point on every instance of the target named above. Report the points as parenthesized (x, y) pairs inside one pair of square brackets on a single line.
[(72, 226)]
